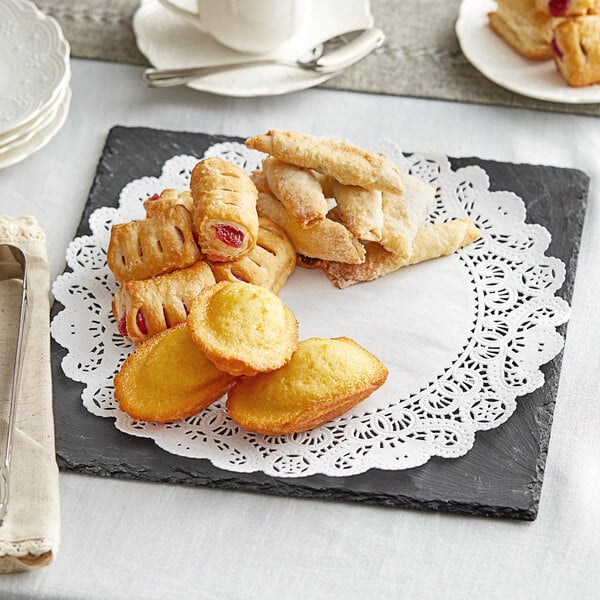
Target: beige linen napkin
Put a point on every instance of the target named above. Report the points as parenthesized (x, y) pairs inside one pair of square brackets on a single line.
[(29, 535)]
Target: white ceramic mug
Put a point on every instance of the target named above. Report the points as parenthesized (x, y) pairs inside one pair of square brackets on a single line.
[(248, 26)]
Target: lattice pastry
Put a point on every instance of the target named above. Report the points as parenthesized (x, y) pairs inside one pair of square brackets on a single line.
[(160, 244), (146, 307)]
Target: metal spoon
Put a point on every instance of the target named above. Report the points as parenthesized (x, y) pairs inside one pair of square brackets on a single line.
[(332, 55), (13, 265)]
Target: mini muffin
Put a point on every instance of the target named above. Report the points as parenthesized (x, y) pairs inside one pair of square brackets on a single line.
[(323, 379), (243, 328), (168, 378)]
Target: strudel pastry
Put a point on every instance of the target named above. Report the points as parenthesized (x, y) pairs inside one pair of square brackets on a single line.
[(146, 307), (327, 239), (576, 47), (345, 162), (160, 244), (169, 378), (323, 379), (568, 8), (430, 242), (224, 209), (523, 27), (297, 189), (244, 329), (268, 264), (166, 199)]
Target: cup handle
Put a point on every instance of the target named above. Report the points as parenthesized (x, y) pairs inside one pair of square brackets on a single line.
[(188, 15)]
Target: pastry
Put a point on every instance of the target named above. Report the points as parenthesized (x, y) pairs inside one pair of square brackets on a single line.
[(344, 162), (524, 28), (404, 213), (166, 199), (567, 8), (168, 378), (430, 242), (327, 239), (243, 328), (298, 190), (360, 209), (323, 379), (224, 209), (576, 47), (160, 244), (146, 307), (268, 264)]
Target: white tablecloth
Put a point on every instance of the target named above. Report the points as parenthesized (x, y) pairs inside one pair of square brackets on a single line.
[(140, 540)]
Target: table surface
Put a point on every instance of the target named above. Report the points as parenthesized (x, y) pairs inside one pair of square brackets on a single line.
[(123, 539)]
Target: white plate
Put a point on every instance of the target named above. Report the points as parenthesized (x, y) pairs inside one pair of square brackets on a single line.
[(501, 64), (40, 139), (23, 134), (168, 41), (34, 63)]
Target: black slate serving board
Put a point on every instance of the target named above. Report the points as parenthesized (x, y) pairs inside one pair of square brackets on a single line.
[(501, 476)]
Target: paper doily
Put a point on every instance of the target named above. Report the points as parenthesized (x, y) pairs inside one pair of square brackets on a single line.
[(462, 336)]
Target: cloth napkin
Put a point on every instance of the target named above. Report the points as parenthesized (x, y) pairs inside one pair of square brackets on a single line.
[(29, 535)]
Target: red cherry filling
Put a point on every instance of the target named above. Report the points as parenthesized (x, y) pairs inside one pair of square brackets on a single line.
[(557, 51), (558, 8), (153, 197), (232, 236), (140, 321), (122, 325)]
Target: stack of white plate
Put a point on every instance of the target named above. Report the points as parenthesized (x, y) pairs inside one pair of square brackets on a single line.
[(34, 80)]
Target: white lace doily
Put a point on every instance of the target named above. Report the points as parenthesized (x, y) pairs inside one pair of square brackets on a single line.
[(462, 336)]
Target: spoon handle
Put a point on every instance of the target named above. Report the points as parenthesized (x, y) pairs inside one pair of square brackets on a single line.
[(172, 77)]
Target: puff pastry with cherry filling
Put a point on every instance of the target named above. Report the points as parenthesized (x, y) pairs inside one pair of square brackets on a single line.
[(167, 198), (576, 47), (523, 27), (568, 8), (345, 162), (224, 209), (147, 307), (430, 242), (160, 244), (268, 264), (297, 189)]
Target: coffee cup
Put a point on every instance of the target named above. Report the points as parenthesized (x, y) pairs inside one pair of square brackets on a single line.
[(247, 26)]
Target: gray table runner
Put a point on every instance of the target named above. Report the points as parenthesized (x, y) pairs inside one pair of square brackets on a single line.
[(421, 56)]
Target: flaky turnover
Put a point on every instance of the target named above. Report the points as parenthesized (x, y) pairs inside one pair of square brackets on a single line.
[(345, 162), (167, 198), (224, 209), (144, 308), (430, 242), (160, 244)]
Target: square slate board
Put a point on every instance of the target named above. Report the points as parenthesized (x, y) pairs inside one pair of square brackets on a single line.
[(501, 476)]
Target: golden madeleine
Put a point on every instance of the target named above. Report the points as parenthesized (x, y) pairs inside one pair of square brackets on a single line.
[(243, 328), (323, 379), (169, 378)]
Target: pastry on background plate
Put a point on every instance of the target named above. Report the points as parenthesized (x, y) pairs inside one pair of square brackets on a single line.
[(224, 209), (150, 247), (167, 198), (576, 47), (568, 8), (169, 378), (243, 328), (323, 379), (523, 27)]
